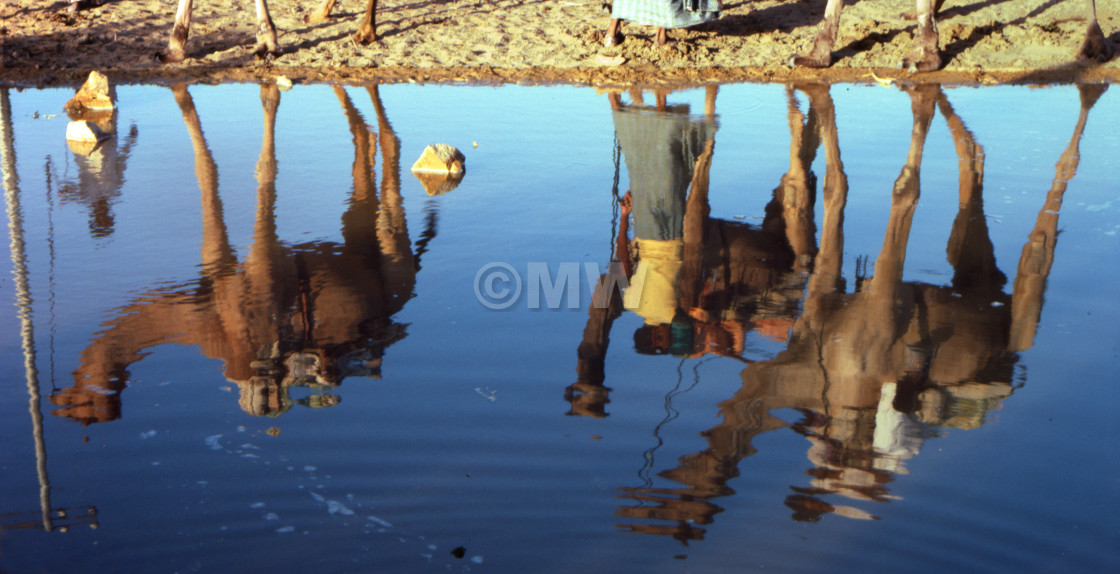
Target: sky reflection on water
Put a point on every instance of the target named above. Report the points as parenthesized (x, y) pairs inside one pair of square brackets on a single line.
[(255, 335)]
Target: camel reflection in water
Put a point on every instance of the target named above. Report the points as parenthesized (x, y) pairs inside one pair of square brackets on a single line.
[(874, 371), (288, 315)]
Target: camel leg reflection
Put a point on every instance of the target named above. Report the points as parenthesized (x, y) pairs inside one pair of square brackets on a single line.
[(825, 278), (829, 260), (795, 193), (1038, 253), (970, 250), (392, 226), (259, 305), (695, 222), (217, 255)]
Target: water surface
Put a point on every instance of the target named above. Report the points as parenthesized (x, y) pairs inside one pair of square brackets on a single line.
[(874, 331)]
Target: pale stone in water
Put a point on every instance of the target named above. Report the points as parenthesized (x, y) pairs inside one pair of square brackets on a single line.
[(84, 131), (440, 158)]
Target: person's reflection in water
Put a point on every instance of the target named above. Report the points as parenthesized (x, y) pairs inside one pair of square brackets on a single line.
[(874, 372), (700, 284), (664, 146), (288, 315)]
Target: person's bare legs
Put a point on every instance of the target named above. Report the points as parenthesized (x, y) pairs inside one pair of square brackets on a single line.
[(663, 38), (613, 36)]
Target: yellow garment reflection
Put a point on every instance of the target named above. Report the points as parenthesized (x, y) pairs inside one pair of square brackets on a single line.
[(653, 290)]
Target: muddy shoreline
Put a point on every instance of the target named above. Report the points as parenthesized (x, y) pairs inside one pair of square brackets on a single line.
[(540, 42)]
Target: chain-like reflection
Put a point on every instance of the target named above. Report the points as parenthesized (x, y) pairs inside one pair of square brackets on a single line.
[(873, 371), (288, 315)]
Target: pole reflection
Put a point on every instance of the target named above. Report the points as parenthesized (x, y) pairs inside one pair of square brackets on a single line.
[(874, 371), (287, 315)]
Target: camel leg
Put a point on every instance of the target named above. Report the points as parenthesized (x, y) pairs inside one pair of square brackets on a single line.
[(320, 13), (1095, 46), (820, 56), (913, 14), (176, 47), (367, 33), (266, 47), (926, 57)]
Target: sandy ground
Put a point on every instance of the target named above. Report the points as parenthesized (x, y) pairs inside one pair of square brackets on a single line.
[(544, 41)]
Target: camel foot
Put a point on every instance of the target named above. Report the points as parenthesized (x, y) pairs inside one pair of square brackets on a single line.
[(266, 52), (315, 17), (364, 37), (1095, 47), (921, 62), (926, 56), (171, 56), (810, 61), (1090, 93)]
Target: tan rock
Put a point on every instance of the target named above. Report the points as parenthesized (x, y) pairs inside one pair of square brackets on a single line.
[(440, 158), (438, 183), (85, 132), (104, 119), (95, 94)]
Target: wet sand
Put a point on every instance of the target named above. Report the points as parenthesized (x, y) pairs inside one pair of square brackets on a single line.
[(545, 41)]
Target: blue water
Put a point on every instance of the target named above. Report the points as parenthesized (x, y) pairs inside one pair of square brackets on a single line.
[(480, 440)]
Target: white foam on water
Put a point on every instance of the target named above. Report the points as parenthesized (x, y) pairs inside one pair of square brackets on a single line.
[(382, 522)]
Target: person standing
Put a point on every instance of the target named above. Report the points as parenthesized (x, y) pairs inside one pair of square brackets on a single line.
[(661, 13)]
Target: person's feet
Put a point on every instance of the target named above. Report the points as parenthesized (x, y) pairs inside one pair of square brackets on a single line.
[(613, 35), (663, 39)]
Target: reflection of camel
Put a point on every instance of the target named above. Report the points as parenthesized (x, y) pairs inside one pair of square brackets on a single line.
[(307, 314), (874, 371)]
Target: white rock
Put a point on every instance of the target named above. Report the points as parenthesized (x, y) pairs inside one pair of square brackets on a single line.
[(84, 131)]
